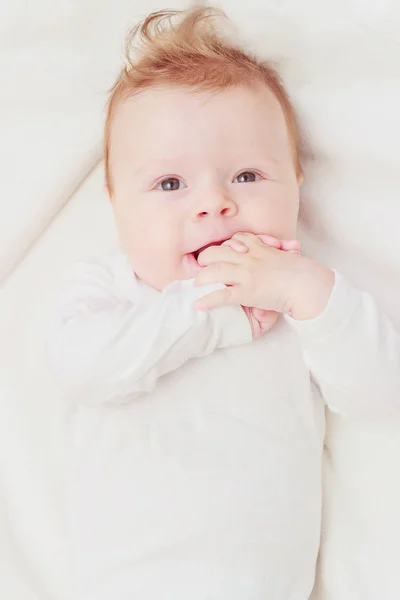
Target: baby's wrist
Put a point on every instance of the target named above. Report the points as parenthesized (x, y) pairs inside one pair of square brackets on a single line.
[(312, 290)]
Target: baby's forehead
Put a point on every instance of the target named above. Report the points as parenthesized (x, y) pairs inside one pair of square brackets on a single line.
[(177, 110)]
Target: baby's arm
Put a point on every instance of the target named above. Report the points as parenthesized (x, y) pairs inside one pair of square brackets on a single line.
[(353, 352), (104, 349)]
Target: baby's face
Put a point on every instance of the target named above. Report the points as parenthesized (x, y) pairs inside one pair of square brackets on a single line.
[(192, 169)]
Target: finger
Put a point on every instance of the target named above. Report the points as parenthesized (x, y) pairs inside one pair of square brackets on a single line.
[(216, 299), (248, 239), (219, 272), (236, 246), (271, 241), (289, 245), (216, 254), (264, 316)]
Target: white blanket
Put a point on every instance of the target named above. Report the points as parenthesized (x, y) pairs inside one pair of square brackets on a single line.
[(340, 62)]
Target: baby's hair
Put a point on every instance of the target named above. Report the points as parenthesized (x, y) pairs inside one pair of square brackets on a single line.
[(185, 49)]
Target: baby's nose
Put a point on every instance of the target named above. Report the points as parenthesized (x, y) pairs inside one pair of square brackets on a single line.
[(216, 205)]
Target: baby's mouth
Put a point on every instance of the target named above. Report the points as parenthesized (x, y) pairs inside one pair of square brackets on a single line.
[(200, 250)]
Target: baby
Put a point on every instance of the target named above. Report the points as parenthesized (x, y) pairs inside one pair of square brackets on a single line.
[(197, 441)]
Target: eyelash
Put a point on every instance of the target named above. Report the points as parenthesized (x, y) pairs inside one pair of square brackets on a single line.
[(159, 183), (249, 172)]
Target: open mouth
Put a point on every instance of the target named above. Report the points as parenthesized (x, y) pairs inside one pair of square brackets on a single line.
[(200, 250)]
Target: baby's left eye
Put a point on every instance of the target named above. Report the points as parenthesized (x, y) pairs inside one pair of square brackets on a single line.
[(246, 177)]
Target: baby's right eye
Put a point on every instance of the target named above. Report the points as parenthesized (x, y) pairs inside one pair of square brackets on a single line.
[(170, 184)]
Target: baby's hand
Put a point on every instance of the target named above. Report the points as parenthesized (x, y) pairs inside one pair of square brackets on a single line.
[(261, 320), (264, 277)]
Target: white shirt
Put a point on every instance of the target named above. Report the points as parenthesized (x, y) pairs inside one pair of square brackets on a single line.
[(202, 478)]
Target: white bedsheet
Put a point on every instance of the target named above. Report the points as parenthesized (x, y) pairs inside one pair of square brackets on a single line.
[(33, 418), (340, 61), (57, 61)]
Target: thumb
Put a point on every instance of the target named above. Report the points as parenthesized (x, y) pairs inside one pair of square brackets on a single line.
[(264, 316)]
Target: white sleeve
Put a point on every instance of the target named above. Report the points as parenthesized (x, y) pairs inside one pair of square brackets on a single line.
[(104, 349), (353, 352)]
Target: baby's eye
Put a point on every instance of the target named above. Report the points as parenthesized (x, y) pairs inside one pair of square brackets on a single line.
[(170, 184), (246, 177)]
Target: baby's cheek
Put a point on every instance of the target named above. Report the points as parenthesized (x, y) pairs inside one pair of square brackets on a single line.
[(283, 221), (152, 243), (156, 265)]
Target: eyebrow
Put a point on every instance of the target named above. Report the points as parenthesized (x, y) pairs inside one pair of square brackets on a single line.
[(155, 164), (158, 163)]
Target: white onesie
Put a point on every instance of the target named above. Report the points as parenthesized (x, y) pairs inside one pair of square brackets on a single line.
[(196, 455)]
